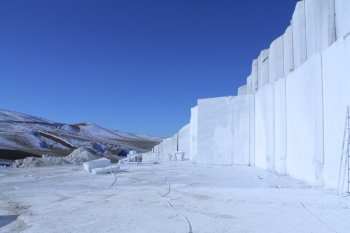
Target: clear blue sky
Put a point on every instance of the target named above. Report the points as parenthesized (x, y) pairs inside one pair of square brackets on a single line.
[(135, 66)]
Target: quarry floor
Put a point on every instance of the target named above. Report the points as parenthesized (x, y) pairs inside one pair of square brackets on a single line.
[(167, 197)]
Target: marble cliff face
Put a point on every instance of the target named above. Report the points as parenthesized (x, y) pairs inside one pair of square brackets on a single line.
[(289, 117)]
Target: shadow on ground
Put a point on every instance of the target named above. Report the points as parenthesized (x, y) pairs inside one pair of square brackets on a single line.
[(7, 219)]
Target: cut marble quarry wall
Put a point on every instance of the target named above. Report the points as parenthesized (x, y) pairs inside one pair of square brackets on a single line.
[(194, 134), (214, 138), (240, 129), (242, 90), (288, 56), (320, 25), (290, 115), (299, 35), (254, 76), (280, 127), (251, 107), (276, 65), (264, 127), (305, 121), (342, 11), (263, 68), (336, 98), (184, 140), (249, 85)]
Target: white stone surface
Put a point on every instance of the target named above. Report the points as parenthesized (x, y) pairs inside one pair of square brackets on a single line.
[(305, 121), (276, 64), (156, 149), (214, 131), (299, 35), (103, 162), (280, 127), (263, 68), (249, 85), (336, 95), (264, 127), (194, 134), (242, 90), (240, 129), (150, 157), (184, 140), (167, 145), (105, 170), (342, 12), (320, 25), (251, 99), (254, 76), (288, 58)]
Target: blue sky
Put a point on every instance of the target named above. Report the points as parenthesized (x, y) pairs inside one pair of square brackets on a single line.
[(135, 66)]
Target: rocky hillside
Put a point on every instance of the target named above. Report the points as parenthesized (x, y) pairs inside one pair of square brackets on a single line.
[(23, 135)]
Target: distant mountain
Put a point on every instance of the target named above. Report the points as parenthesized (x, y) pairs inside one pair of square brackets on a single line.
[(23, 135)]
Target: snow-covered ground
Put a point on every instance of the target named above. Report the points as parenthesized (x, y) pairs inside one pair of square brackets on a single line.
[(167, 197)]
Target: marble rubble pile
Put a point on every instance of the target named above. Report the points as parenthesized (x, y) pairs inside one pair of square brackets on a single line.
[(78, 156)]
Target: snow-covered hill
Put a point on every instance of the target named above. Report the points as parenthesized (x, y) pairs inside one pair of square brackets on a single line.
[(37, 136)]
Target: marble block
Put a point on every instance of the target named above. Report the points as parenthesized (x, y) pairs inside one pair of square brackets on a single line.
[(299, 35), (280, 127), (288, 58), (276, 60), (193, 134), (184, 139), (240, 129), (305, 122), (214, 131), (103, 162), (264, 127), (251, 99), (342, 12), (320, 25), (249, 85), (263, 68), (254, 76), (242, 90)]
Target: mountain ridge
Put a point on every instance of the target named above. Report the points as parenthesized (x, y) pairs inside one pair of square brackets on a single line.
[(37, 136)]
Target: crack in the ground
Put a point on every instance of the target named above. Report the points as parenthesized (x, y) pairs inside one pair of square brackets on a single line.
[(164, 198)]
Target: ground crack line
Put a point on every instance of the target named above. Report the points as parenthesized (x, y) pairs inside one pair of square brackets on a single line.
[(164, 198)]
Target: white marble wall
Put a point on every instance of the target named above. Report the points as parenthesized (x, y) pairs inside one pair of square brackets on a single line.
[(288, 57), (264, 127), (320, 25), (194, 134), (280, 127), (251, 99), (276, 60), (166, 146), (305, 121), (336, 96), (263, 68), (299, 35), (342, 12), (184, 140), (254, 76), (214, 140), (240, 129), (242, 90), (249, 85)]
